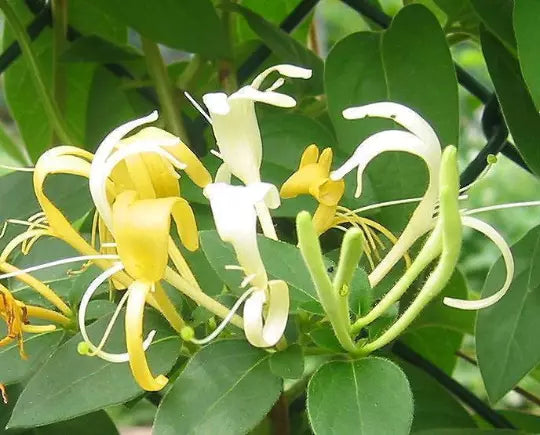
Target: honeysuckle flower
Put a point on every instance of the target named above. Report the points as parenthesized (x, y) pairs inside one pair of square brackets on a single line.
[(420, 140), (313, 178), (141, 229), (233, 207), (236, 129)]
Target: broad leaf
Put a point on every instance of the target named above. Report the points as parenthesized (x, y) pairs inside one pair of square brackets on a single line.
[(190, 25), (25, 102), (89, 424), (37, 347), (70, 384), (366, 396), (469, 432), (496, 15), (526, 13), (434, 407), (518, 108), (226, 388), (506, 341), (95, 49), (288, 363), (282, 261), (89, 19)]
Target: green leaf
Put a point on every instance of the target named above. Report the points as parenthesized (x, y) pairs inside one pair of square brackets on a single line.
[(438, 345), (469, 432), (526, 13), (226, 388), (24, 101), (366, 396), (285, 47), (37, 347), (69, 384), (89, 424), (190, 25), (496, 15), (434, 406), (121, 106), (411, 68), (89, 19), (325, 338), (506, 342), (289, 363), (95, 49), (517, 105), (523, 420), (282, 261)]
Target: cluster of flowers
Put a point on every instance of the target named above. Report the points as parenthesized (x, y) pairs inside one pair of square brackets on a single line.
[(135, 188)]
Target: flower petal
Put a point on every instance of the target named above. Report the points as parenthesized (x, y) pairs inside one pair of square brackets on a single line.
[(496, 238), (399, 113), (134, 330), (262, 332)]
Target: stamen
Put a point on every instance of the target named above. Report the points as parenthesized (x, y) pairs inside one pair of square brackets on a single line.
[(95, 222), (17, 168), (276, 85), (233, 267), (226, 320), (502, 207), (21, 238), (380, 205), (58, 263), (108, 245), (36, 216), (198, 107)]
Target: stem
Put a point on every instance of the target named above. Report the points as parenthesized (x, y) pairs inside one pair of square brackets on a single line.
[(279, 417), (50, 106), (472, 401), (201, 298), (165, 91)]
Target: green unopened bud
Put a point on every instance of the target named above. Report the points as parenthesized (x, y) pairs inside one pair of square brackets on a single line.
[(212, 323), (83, 348), (187, 333)]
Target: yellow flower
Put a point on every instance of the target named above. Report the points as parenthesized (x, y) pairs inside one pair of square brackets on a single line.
[(313, 178)]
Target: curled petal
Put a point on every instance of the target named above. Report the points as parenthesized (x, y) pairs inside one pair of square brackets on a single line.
[(292, 71), (399, 113), (134, 330), (496, 238), (265, 331)]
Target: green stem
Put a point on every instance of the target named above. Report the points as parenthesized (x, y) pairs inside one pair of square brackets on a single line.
[(226, 70), (165, 91), (190, 73), (51, 108)]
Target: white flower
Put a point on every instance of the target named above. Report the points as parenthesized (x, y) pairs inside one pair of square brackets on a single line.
[(420, 140), (235, 216), (235, 123)]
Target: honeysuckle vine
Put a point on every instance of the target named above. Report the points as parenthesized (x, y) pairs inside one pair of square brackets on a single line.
[(142, 225)]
